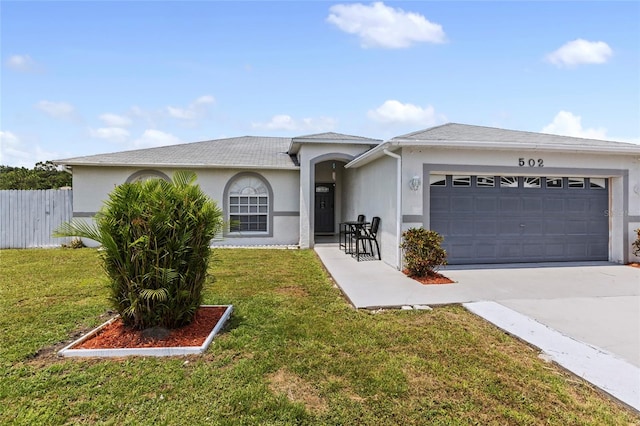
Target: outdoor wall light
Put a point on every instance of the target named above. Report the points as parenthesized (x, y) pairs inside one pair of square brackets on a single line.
[(414, 183)]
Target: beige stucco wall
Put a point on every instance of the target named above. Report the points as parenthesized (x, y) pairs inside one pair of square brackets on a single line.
[(91, 186), (623, 172), (308, 156), (372, 190)]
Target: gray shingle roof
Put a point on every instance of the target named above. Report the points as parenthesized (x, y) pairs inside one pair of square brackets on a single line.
[(331, 137), (454, 135), (335, 137), (245, 151), (455, 132)]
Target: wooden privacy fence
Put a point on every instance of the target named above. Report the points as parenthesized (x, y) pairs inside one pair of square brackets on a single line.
[(27, 218)]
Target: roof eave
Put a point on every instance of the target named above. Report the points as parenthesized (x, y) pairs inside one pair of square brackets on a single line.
[(370, 155), (517, 145), (296, 143), (377, 152), (176, 165)]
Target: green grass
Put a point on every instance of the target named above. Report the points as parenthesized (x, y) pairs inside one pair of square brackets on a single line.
[(293, 353)]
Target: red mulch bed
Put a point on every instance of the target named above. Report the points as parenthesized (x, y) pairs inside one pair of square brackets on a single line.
[(431, 278), (634, 264), (116, 335)]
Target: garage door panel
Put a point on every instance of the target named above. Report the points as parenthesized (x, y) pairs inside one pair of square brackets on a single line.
[(532, 204), (509, 251), (553, 205), (486, 205), (576, 227), (554, 250), (532, 227), (510, 227), (598, 208), (462, 204), (463, 228), (554, 227), (576, 205), (486, 250), (462, 251), (486, 227), (577, 250), (517, 224), (533, 250), (439, 204), (509, 204), (598, 248)]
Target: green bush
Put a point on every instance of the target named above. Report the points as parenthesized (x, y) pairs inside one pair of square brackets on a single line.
[(636, 243), (76, 243), (423, 254), (156, 239)]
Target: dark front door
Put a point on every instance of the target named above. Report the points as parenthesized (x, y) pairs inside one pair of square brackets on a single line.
[(324, 208)]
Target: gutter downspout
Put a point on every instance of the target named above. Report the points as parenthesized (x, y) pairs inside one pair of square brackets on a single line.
[(399, 204)]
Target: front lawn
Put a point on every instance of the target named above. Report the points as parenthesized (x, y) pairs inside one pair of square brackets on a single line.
[(295, 352)]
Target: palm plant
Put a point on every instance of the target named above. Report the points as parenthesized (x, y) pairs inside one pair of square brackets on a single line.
[(156, 239)]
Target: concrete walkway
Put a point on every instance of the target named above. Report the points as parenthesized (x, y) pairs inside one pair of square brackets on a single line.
[(584, 316)]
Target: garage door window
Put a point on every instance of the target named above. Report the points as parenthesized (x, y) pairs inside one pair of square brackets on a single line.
[(508, 182), (597, 183), (438, 180), (461, 180), (554, 182), (531, 182), (485, 181), (576, 182)]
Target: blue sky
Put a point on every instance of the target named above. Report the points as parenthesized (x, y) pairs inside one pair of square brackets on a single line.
[(81, 78)]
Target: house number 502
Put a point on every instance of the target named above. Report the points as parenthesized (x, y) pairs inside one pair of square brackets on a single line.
[(531, 162)]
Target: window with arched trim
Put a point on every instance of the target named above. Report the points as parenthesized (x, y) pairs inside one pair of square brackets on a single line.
[(248, 204), (142, 175)]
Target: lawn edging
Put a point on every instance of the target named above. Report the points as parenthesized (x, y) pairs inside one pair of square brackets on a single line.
[(68, 350)]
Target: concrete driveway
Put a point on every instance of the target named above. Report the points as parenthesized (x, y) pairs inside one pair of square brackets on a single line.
[(584, 316)]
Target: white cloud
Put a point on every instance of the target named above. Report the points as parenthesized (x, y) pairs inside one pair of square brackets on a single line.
[(60, 110), (287, 123), (151, 138), (195, 110), (395, 112), (112, 134), (114, 120), (10, 152), (181, 113), (21, 63), (378, 25), (206, 99), (579, 52), (566, 123), (15, 153)]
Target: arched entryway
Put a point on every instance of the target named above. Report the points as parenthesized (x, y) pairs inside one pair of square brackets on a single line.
[(328, 189)]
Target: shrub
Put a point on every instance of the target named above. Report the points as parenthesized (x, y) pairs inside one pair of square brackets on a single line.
[(156, 246), (76, 243), (423, 254), (636, 243)]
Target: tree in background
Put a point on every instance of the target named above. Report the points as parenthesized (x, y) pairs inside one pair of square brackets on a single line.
[(45, 175)]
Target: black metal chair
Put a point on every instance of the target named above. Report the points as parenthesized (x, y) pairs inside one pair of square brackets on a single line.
[(348, 233), (368, 234)]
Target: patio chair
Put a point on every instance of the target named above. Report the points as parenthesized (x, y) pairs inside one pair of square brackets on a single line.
[(370, 235), (348, 233)]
